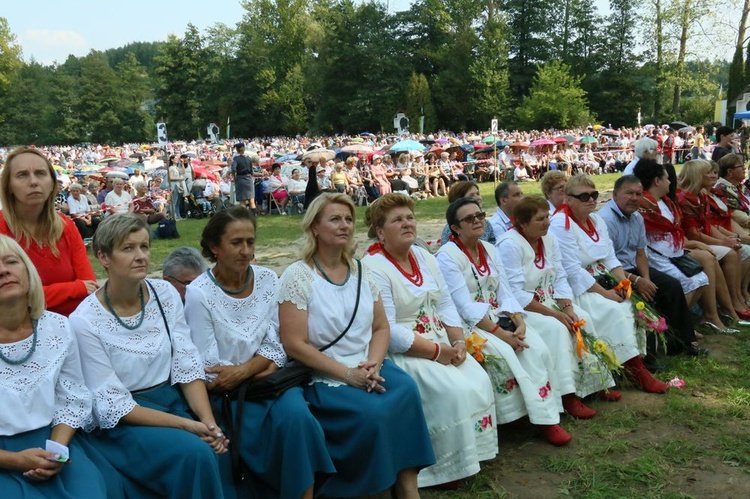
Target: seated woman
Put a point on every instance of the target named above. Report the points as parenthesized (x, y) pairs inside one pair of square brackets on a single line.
[(531, 258), (143, 205), (706, 222), (467, 189), (355, 181), (586, 252), (118, 200), (366, 405), (339, 179), (428, 343), (377, 171), (277, 187), (42, 394), (159, 195), (232, 312), (662, 218), (524, 382), (79, 211), (52, 242), (145, 373)]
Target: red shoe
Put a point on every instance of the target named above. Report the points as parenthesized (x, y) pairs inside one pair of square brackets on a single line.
[(454, 485), (744, 314), (555, 434), (573, 406), (636, 372), (610, 395)]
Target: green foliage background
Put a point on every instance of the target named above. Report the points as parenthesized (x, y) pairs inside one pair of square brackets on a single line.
[(335, 66)]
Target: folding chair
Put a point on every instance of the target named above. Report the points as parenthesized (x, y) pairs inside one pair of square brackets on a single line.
[(272, 203)]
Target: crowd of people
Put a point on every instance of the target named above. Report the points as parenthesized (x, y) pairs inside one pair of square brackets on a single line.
[(144, 387)]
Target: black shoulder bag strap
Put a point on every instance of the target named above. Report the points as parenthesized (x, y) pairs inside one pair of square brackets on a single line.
[(234, 431)]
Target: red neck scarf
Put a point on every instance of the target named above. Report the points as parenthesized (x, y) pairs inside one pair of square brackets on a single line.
[(658, 227), (588, 227), (695, 211)]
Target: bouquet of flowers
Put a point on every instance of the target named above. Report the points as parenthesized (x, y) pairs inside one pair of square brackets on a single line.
[(586, 342), (646, 316), (496, 367)]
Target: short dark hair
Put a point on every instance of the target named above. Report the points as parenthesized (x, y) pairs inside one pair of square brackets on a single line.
[(503, 190), (527, 208), (723, 130), (460, 188), (648, 170), (217, 226), (451, 213), (626, 179), (239, 145)]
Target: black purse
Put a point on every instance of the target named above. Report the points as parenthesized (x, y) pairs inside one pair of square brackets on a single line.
[(686, 263), (270, 387)]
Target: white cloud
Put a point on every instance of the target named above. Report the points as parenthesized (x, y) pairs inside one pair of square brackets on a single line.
[(47, 46)]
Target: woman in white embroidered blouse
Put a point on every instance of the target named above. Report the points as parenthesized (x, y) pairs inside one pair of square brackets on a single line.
[(587, 251), (137, 357), (366, 405), (232, 312), (42, 394), (428, 343), (523, 371)]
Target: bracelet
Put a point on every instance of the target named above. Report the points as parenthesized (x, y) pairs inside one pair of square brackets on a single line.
[(629, 276), (454, 343), (637, 278), (494, 329), (348, 375), (438, 349)]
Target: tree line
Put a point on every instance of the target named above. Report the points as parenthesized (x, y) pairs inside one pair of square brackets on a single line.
[(334, 66)]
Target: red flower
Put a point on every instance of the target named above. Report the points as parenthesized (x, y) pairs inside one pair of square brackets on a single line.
[(510, 384), (424, 319), (420, 328), (543, 392)]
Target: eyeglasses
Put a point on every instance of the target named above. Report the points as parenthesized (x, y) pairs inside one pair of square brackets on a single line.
[(586, 196), (480, 215), (184, 283), (737, 166)]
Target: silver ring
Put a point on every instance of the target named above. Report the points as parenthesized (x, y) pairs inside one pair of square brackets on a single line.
[(219, 435)]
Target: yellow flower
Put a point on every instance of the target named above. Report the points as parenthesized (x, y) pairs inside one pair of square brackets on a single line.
[(640, 305), (600, 346), (474, 344)]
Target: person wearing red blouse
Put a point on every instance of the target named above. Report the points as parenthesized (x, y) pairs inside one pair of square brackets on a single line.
[(52, 242)]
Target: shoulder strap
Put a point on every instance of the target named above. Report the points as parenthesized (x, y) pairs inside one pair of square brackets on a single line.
[(161, 310), (354, 312)]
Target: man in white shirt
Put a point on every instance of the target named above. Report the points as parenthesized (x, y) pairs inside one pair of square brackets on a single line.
[(507, 195)]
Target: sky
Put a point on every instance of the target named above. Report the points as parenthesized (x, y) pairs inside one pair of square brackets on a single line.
[(49, 30)]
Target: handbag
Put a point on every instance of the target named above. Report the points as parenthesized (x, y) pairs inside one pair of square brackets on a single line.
[(685, 263), (270, 387)]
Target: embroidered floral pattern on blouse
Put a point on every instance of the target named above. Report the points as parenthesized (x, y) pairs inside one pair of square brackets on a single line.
[(541, 294), (545, 390), (492, 299), (425, 323), (483, 424)]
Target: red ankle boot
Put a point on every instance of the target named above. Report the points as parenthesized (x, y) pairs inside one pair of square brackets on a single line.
[(639, 375), (610, 395), (573, 406), (555, 434)]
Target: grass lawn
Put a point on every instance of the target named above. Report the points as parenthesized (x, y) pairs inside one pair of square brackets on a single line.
[(693, 442)]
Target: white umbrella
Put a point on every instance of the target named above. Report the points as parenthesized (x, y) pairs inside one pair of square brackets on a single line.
[(357, 149), (317, 154)]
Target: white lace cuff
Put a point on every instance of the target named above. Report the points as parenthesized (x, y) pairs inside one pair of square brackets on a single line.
[(296, 285), (111, 404), (74, 406)]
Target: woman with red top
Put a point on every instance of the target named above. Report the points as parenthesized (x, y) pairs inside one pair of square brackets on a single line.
[(587, 252), (52, 242), (705, 221)]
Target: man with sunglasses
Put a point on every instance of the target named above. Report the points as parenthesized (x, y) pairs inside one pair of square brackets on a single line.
[(507, 195)]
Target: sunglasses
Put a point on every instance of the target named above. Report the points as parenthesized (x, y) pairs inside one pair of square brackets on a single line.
[(480, 215), (586, 196), (184, 283)]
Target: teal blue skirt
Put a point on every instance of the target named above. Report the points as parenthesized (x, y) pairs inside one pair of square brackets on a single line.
[(80, 479), (281, 444), (159, 461), (371, 437)]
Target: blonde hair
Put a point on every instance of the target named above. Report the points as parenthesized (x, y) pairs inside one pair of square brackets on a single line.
[(36, 291), (378, 211), (576, 180), (550, 179), (50, 225), (312, 217), (690, 178)]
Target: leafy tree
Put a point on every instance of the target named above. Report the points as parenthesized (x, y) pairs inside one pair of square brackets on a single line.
[(144, 52), (137, 123), (529, 43), (419, 102), (555, 100), (488, 73)]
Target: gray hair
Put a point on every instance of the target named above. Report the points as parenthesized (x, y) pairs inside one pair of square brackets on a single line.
[(254, 158), (114, 229), (75, 185), (139, 184), (644, 146), (183, 258)]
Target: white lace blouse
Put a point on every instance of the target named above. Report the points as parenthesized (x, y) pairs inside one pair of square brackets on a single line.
[(48, 388), (229, 331), (117, 361), (329, 309)]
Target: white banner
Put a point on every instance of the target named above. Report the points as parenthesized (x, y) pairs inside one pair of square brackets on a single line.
[(161, 133)]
